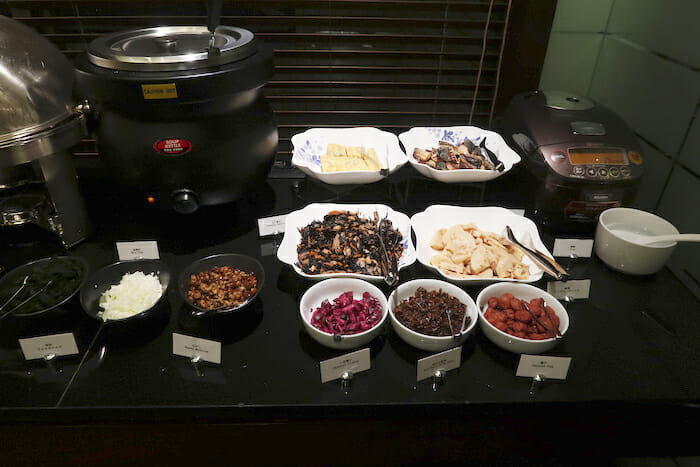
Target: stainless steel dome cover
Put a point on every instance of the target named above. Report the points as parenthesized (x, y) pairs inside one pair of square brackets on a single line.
[(171, 48), (36, 84)]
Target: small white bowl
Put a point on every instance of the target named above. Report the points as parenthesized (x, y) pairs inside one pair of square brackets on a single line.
[(518, 344), (309, 146), (329, 290), (428, 138), (620, 253), (423, 341)]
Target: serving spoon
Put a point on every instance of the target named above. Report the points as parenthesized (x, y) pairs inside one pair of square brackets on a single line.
[(642, 239)]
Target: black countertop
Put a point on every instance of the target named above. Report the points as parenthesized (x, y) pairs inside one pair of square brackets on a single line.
[(633, 342)]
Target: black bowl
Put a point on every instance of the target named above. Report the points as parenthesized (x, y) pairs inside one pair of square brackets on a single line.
[(26, 269), (100, 281), (242, 262)]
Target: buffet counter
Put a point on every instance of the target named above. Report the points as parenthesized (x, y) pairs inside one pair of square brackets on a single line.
[(632, 389)]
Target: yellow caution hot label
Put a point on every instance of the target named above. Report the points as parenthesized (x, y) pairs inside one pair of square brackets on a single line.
[(159, 91)]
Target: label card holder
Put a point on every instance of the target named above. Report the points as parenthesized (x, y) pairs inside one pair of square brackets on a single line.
[(579, 289), (350, 363), (443, 361), (128, 251), (576, 247), (196, 348), (271, 225), (544, 366), (55, 344)]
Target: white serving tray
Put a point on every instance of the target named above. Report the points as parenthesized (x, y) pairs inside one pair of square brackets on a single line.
[(430, 137), (311, 144), (491, 219), (287, 252)]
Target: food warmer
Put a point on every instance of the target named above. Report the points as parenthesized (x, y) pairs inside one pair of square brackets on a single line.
[(583, 157), (180, 115), (39, 122)]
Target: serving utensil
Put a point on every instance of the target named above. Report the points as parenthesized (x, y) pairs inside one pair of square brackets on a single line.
[(17, 292), (31, 297), (643, 239), (550, 266), (557, 334)]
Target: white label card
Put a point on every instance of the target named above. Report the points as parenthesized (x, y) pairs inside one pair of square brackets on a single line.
[(578, 289), (190, 347), (56, 344), (354, 362), (127, 251), (445, 361), (271, 225), (518, 212), (549, 367), (582, 248)]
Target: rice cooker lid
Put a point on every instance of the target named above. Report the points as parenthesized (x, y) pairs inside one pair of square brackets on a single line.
[(171, 48)]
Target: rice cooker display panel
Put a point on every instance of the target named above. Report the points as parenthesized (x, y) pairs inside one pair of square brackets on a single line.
[(594, 163)]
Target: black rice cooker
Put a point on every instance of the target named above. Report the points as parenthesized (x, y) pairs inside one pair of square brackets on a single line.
[(180, 115), (581, 157)]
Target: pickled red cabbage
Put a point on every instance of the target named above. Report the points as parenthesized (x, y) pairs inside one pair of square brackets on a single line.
[(346, 315)]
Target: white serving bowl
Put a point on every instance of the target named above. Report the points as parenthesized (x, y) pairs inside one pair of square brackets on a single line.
[(287, 252), (487, 218), (311, 144), (423, 341), (329, 290), (430, 137), (623, 254), (517, 344)]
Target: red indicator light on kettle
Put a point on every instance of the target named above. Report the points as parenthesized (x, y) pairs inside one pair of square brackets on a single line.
[(150, 199)]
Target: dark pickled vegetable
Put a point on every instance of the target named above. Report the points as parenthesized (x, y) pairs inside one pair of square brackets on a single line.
[(66, 275), (425, 312)]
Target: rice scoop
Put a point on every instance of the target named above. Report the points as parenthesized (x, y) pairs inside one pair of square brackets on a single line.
[(136, 292)]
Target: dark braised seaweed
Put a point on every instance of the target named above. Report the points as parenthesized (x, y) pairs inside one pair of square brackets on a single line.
[(425, 313), (346, 242), (66, 275)]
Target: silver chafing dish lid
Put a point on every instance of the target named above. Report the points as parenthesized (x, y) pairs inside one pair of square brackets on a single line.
[(36, 84), (171, 48)]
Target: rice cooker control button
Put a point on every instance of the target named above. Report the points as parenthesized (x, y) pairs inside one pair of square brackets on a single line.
[(603, 172), (557, 156), (614, 172), (591, 172), (185, 201), (579, 170)]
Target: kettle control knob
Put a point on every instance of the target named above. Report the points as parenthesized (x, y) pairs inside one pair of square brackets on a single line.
[(185, 201)]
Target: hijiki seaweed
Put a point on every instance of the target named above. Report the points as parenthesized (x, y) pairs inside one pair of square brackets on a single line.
[(347, 242)]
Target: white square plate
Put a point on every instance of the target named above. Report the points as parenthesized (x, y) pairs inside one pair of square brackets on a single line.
[(430, 137), (287, 252), (491, 219), (311, 144)]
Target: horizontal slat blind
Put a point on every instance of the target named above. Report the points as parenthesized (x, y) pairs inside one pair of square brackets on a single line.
[(391, 64)]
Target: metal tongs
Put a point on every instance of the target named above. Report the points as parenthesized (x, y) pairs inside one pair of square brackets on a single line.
[(389, 267), (449, 322), (31, 297), (550, 266)]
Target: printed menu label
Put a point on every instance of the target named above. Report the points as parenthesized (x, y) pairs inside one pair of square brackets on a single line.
[(549, 367), (354, 362), (582, 248), (127, 251), (518, 212), (56, 344), (444, 361), (578, 289), (190, 347), (271, 225)]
